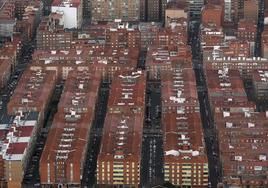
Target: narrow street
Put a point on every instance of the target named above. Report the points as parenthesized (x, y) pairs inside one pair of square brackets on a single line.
[(90, 166), (32, 176), (205, 110), (152, 145)]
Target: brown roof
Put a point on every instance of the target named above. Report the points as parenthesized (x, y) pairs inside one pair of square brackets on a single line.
[(124, 90), (34, 90), (122, 135), (242, 142), (68, 136), (179, 83), (183, 133), (123, 125), (225, 83)]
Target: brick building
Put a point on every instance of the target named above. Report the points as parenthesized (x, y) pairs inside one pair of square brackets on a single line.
[(33, 92), (119, 160), (231, 48), (11, 51), (174, 35), (251, 10), (110, 34), (177, 87), (212, 14), (123, 36), (226, 91), (20, 6), (247, 31), (4, 128), (101, 11), (148, 33), (159, 59), (241, 130), (233, 11), (30, 20), (64, 155), (104, 60), (210, 35), (2, 172), (7, 10), (243, 64), (51, 34), (185, 161), (242, 142)]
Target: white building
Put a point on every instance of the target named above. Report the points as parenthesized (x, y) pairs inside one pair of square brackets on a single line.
[(72, 12), (18, 146)]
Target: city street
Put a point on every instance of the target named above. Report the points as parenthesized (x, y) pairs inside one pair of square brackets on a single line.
[(260, 27), (31, 176), (79, 44), (89, 173), (7, 92), (206, 115), (152, 145)]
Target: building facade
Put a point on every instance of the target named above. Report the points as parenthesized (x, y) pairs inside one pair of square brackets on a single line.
[(126, 10)]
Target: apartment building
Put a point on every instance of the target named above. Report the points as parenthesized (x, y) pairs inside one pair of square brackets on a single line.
[(185, 160), (159, 59), (119, 160), (63, 158), (124, 10), (33, 92)]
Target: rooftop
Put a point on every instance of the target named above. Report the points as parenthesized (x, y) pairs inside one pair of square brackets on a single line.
[(123, 125), (33, 91), (260, 75), (226, 84), (236, 59), (179, 88), (72, 123), (167, 55), (19, 135), (124, 90), (102, 55), (122, 136), (247, 25), (66, 3), (183, 137), (242, 141)]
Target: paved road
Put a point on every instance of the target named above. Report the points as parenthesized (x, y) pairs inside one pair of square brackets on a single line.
[(260, 27), (89, 178), (152, 145), (7, 91), (206, 115)]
